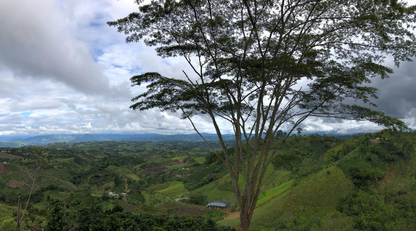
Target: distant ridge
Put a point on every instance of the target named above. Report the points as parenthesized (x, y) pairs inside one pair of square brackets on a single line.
[(18, 141), (47, 139)]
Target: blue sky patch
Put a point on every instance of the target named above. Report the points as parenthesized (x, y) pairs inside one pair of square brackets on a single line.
[(26, 114), (135, 71)]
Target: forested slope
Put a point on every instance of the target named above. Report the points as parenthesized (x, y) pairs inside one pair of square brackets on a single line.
[(315, 183)]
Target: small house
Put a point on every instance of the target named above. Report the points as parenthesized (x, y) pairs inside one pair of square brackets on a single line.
[(112, 194), (182, 198), (217, 205)]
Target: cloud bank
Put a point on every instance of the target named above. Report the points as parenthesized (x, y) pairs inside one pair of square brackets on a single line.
[(63, 70)]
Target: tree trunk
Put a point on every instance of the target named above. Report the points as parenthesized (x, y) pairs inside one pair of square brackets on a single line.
[(18, 212), (245, 221)]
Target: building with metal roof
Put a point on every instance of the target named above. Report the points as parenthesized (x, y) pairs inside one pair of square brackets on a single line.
[(217, 205)]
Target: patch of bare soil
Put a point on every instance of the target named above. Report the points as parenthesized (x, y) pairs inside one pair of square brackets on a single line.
[(13, 184), (82, 157), (232, 215), (4, 169), (157, 169)]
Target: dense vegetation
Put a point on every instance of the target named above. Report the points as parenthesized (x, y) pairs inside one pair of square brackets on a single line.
[(367, 182)]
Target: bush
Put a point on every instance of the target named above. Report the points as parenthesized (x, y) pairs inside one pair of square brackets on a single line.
[(287, 162), (9, 225), (197, 199), (367, 212), (79, 216), (364, 176)]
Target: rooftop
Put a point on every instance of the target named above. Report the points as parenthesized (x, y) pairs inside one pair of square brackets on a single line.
[(217, 204)]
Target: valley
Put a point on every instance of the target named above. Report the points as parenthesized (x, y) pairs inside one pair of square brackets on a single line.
[(316, 182)]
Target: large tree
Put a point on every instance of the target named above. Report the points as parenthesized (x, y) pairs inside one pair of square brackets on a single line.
[(266, 66)]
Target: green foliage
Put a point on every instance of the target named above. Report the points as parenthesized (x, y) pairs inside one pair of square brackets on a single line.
[(287, 162), (189, 160), (335, 221), (319, 193), (38, 195), (336, 153), (9, 225), (248, 58), (304, 155), (149, 164), (364, 176), (382, 175), (296, 224), (215, 215), (136, 198), (368, 212), (197, 199), (201, 175), (387, 151), (226, 185), (274, 192), (6, 212), (288, 200), (55, 215), (78, 216)]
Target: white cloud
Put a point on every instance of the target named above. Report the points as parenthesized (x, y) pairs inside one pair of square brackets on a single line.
[(39, 44), (63, 70)]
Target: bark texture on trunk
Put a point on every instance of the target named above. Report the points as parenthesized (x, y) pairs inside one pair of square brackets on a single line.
[(18, 213)]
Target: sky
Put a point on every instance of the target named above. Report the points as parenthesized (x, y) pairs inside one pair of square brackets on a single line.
[(63, 70)]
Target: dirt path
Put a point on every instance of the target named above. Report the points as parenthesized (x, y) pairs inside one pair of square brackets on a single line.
[(232, 215)]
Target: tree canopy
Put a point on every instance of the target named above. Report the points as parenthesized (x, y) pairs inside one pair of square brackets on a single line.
[(265, 66)]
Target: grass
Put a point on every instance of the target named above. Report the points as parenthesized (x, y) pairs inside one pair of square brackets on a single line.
[(274, 192), (274, 177), (134, 177), (8, 156), (221, 189), (107, 205), (315, 196), (176, 188), (165, 192), (213, 193), (320, 193), (121, 171), (64, 160), (200, 160), (158, 187), (6, 212), (181, 158), (231, 222)]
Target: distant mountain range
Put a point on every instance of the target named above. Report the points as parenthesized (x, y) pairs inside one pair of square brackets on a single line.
[(17, 141), (47, 139)]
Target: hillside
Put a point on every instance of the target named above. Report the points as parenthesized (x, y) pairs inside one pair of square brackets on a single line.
[(359, 185), (315, 183)]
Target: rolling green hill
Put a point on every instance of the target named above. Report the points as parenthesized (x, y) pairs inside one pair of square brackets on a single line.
[(316, 182)]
